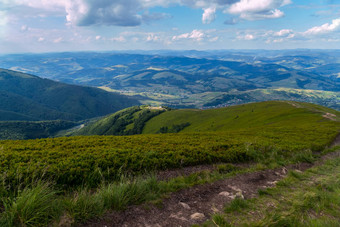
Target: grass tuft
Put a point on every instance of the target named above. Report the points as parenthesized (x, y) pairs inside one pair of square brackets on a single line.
[(33, 206), (237, 204)]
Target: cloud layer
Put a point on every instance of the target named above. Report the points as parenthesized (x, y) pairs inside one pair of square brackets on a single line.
[(134, 12)]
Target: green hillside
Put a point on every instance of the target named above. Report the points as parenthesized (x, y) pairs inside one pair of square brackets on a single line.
[(84, 177), (18, 130), (129, 121), (27, 97), (223, 135), (242, 117)]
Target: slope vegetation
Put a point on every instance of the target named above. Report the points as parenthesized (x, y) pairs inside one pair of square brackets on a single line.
[(125, 122), (27, 97), (74, 179), (271, 114)]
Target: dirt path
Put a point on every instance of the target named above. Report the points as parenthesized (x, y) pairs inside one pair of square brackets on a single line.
[(196, 204)]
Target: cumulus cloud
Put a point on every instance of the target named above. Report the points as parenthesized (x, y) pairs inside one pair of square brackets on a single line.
[(135, 12), (196, 35), (325, 28), (104, 12), (246, 37), (93, 12), (152, 38), (258, 9), (209, 15), (284, 32)]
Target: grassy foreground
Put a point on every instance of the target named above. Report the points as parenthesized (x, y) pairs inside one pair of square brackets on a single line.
[(70, 180)]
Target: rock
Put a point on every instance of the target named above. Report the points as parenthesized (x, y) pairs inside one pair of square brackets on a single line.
[(239, 195), (225, 194), (215, 210), (232, 197), (277, 174), (272, 182), (235, 188), (184, 205), (178, 216), (197, 216)]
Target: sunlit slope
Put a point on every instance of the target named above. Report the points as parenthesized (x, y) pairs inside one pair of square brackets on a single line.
[(277, 131), (254, 115), (128, 121)]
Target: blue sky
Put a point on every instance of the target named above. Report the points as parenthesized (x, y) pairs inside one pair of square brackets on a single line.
[(79, 25)]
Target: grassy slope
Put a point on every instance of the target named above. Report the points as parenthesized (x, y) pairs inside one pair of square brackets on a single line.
[(269, 114), (273, 127), (95, 161), (128, 121)]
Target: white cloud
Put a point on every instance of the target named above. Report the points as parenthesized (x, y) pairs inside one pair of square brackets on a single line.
[(284, 32), (209, 15), (118, 39), (196, 35), (214, 39), (135, 12), (98, 37), (58, 40), (246, 37), (258, 9), (41, 39), (325, 28), (152, 38)]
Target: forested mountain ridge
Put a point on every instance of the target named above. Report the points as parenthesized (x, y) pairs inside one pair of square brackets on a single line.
[(28, 97)]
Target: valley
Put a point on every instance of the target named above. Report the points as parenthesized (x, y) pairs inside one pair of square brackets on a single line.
[(195, 79)]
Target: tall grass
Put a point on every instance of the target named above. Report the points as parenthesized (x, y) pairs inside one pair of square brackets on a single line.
[(35, 205)]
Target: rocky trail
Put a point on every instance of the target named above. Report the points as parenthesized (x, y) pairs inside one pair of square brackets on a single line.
[(196, 204)]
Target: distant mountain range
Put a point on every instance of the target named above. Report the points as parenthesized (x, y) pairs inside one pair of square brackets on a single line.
[(200, 79), (30, 98)]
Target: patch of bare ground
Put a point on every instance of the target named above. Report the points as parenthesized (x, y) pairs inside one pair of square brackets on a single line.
[(330, 116), (196, 204)]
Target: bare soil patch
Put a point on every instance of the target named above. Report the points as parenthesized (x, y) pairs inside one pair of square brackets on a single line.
[(196, 204)]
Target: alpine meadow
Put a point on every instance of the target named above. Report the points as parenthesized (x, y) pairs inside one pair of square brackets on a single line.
[(169, 113)]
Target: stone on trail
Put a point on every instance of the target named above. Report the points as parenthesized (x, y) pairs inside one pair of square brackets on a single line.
[(197, 216), (184, 205)]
